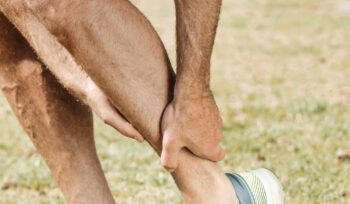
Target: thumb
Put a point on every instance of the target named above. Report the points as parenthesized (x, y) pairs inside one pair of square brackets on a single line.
[(170, 153)]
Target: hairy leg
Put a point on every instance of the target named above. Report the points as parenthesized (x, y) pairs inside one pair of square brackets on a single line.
[(60, 127), (122, 53)]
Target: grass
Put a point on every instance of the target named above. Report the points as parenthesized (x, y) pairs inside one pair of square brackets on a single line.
[(280, 74)]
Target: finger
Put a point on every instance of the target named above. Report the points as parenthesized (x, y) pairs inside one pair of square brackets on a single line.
[(123, 126), (130, 131), (112, 117), (213, 154), (218, 154), (170, 152)]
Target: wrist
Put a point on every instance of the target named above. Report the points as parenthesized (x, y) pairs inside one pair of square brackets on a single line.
[(192, 90)]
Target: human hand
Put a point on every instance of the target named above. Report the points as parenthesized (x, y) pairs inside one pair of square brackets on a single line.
[(194, 124), (100, 104)]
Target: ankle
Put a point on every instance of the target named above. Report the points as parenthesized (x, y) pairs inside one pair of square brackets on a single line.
[(202, 181)]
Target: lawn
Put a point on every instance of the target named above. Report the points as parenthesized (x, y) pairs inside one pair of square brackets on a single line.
[(281, 77)]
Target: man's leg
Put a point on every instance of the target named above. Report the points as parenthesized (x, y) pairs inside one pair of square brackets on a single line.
[(122, 53), (60, 127)]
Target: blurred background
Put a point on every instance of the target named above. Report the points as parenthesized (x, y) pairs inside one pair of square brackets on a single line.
[(281, 77)]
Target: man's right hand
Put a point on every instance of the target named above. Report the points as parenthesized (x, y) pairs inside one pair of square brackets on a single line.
[(194, 124)]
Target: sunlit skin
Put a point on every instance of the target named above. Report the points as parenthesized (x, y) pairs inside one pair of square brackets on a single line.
[(132, 74), (60, 127)]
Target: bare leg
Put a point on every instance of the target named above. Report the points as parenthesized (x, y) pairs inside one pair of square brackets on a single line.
[(59, 126), (122, 53)]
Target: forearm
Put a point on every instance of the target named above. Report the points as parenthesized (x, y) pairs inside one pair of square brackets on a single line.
[(58, 60), (196, 28)]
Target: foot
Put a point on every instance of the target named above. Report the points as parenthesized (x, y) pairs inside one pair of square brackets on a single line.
[(257, 187)]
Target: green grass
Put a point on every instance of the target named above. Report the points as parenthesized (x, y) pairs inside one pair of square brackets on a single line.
[(281, 76)]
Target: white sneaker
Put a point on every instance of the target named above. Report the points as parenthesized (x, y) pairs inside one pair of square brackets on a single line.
[(259, 186)]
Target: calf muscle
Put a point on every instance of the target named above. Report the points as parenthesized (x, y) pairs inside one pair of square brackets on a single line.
[(129, 63), (124, 57), (121, 52), (47, 113)]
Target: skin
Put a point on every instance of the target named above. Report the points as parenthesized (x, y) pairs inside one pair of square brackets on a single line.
[(192, 120), (193, 104), (136, 75), (64, 67), (43, 107)]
